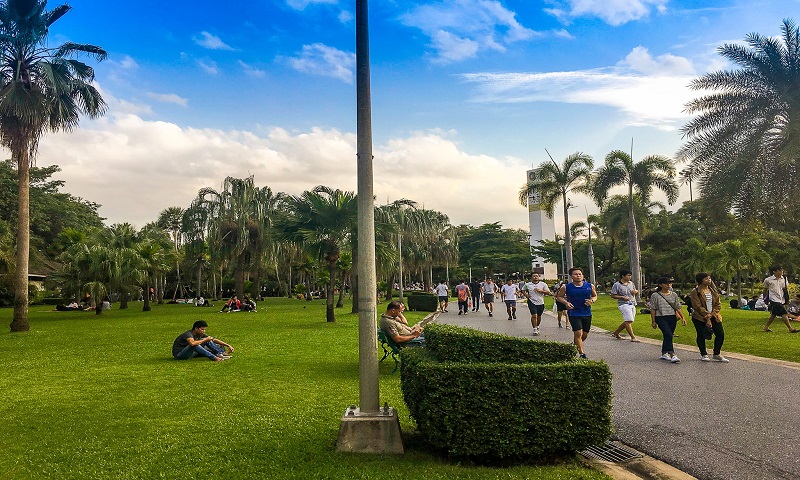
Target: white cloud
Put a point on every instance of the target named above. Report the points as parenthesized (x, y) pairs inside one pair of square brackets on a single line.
[(319, 59), (640, 60), (459, 29), (302, 4), (613, 12), (345, 16), (210, 66), (169, 98), (251, 71), (649, 91), (207, 40), (135, 168)]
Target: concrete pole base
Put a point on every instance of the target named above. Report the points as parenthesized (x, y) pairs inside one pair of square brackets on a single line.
[(370, 432)]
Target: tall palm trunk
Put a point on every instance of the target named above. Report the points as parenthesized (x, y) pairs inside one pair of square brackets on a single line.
[(567, 233), (633, 246), (19, 322), (146, 307), (330, 299)]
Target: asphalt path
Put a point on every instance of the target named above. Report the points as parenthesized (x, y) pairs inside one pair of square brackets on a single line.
[(734, 421)]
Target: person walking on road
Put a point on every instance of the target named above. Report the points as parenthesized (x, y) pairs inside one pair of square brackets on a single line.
[(443, 292), (475, 289), (534, 291), (509, 291), (488, 288), (463, 294), (776, 292), (561, 309), (578, 296), (665, 310), (706, 317), (624, 292)]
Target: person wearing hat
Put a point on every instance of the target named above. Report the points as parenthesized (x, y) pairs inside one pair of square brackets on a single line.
[(665, 310)]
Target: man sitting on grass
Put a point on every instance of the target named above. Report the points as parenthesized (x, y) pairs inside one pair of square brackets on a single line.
[(195, 342), (394, 325)]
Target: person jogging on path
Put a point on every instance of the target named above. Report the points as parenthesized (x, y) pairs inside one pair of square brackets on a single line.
[(534, 291), (488, 288), (509, 291), (578, 296)]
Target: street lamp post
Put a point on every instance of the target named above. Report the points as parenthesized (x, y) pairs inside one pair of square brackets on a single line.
[(563, 270)]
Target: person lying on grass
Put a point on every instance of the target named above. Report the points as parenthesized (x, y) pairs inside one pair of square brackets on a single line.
[(195, 342)]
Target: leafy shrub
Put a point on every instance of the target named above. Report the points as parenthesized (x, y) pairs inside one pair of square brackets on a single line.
[(422, 302), (493, 397)]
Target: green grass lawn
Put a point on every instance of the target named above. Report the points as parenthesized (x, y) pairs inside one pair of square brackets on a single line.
[(743, 330), (100, 397)]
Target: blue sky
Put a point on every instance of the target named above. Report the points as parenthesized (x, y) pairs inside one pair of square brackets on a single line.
[(466, 94)]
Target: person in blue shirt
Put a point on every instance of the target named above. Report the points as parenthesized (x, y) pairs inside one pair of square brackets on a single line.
[(578, 296)]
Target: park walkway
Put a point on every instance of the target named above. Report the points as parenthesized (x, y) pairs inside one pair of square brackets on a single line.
[(715, 421)]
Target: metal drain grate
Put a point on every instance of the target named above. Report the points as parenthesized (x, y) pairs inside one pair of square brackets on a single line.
[(611, 452)]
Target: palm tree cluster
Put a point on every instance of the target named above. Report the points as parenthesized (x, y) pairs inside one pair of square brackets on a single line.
[(252, 235), (552, 183)]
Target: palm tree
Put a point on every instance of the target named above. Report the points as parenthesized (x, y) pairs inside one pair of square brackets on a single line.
[(42, 89), (321, 220), (745, 140), (552, 183), (734, 256), (640, 178)]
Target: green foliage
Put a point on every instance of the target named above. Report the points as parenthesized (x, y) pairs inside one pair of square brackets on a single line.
[(490, 249), (422, 302), (471, 395)]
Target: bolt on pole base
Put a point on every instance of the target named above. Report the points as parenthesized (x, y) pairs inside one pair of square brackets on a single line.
[(370, 432)]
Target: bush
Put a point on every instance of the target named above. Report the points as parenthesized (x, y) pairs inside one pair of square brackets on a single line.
[(422, 302), (493, 397)]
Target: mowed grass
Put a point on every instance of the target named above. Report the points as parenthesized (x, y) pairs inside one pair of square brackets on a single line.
[(100, 397), (743, 330)]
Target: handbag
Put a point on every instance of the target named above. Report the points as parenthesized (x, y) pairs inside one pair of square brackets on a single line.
[(708, 332)]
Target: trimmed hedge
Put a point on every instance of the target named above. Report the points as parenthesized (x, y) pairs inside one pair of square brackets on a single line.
[(422, 302), (492, 397)]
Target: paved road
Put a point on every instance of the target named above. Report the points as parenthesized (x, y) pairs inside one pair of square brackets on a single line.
[(735, 421)]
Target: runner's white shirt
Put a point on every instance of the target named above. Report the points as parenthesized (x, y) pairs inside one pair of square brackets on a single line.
[(537, 298), (510, 291)]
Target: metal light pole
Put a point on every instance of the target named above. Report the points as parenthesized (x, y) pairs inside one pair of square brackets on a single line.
[(368, 429), (563, 270)]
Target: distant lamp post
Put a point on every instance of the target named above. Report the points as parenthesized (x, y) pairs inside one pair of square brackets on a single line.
[(447, 262), (563, 271)]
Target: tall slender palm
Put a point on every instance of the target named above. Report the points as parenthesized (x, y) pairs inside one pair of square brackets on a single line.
[(748, 128), (41, 88), (322, 221), (552, 183), (738, 255), (640, 178)]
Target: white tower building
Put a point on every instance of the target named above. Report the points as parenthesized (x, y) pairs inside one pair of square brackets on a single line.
[(540, 227)]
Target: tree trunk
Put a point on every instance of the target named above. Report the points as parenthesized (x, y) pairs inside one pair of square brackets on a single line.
[(199, 292), (123, 299), (238, 276), (146, 307), (19, 322), (255, 291), (633, 247), (330, 299), (340, 301), (567, 233), (161, 282)]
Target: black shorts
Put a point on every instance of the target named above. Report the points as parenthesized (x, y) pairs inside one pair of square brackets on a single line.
[(580, 323), (488, 298), (535, 309), (777, 309), (560, 307), (444, 299)]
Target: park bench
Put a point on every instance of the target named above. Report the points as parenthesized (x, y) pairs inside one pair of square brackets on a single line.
[(390, 347)]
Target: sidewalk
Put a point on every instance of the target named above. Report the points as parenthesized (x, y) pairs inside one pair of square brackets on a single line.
[(735, 421)]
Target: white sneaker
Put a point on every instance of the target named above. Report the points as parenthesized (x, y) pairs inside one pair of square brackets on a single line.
[(720, 358), (675, 359), (705, 358), (666, 357)]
